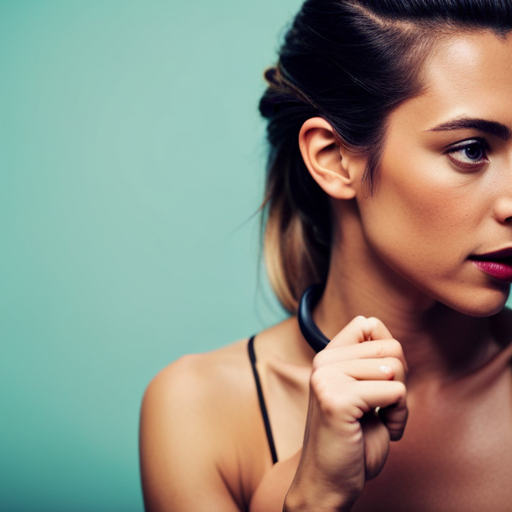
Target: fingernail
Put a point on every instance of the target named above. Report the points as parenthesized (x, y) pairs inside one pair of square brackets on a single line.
[(386, 370)]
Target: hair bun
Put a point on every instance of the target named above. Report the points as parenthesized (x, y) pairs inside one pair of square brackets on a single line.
[(270, 75)]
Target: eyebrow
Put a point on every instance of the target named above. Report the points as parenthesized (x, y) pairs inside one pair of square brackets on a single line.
[(482, 125)]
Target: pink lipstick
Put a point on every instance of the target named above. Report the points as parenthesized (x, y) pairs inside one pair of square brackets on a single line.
[(497, 264)]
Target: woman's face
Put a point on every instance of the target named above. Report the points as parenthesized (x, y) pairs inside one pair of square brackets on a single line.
[(443, 193)]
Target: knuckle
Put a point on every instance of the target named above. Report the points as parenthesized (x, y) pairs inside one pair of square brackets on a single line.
[(373, 322), (394, 345), (380, 348), (331, 400), (400, 390), (395, 348), (323, 395), (334, 405), (328, 407), (394, 363), (318, 361), (318, 383), (360, 322)]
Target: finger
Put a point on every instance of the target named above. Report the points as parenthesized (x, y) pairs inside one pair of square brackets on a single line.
[(391, 393), (395, 418), (358, 330), (368, 350), (386, 368), (376, 440), (369, 394), (343, 400)]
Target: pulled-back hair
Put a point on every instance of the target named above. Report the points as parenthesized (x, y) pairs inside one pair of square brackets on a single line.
[(351, 62)]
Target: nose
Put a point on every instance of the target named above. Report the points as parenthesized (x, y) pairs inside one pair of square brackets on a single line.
[(503, 199), (503, 210)]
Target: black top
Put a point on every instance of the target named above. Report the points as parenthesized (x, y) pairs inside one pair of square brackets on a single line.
[(263, 407)]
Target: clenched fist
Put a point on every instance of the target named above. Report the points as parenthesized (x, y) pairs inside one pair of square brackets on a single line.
[(357, 405)]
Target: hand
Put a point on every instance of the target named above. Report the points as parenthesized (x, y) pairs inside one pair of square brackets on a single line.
[(346, 441)]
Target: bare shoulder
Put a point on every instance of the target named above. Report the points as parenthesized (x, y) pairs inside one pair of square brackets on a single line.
[(196, 419), (200, 392), (224, 372), (201, 376), (203, 444)]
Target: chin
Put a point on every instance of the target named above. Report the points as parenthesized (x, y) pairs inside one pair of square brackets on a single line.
[(482, 303)]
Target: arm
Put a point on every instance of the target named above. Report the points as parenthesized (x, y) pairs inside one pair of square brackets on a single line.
[(181, 443)]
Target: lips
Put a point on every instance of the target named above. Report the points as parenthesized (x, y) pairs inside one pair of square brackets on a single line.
[(497, 264)]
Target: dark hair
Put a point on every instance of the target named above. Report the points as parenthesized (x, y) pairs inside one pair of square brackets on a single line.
[(351, 62)]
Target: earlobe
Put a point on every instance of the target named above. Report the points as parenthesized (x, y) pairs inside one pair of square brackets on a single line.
[(330, 165)]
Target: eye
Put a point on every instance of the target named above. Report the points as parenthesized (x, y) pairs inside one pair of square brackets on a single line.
[(469, 154)]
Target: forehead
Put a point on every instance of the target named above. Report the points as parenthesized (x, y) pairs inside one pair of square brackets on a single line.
[(467, 74)]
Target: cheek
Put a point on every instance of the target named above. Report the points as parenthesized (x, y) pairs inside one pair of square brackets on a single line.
[(424, 220), (419, 217)]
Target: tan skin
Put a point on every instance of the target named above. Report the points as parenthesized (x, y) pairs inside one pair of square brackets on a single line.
[(440, 349)]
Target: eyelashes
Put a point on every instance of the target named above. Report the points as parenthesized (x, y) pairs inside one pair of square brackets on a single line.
[(469, 154)]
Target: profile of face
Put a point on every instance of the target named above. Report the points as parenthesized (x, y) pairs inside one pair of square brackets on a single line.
[(443, 194)]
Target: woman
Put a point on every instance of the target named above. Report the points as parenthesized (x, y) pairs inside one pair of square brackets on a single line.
[(389, 183)]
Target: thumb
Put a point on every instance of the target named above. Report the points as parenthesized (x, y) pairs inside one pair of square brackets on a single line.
[(395, 417)]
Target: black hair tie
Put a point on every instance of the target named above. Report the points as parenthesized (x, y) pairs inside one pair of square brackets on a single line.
[(313, 335)]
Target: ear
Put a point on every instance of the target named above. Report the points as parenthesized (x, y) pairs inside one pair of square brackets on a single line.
[(337, 171)]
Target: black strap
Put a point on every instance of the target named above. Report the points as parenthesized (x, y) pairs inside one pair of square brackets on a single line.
[(263, 407)]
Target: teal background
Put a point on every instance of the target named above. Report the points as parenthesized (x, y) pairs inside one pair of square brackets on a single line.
[(132, 162), (131, 165)]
